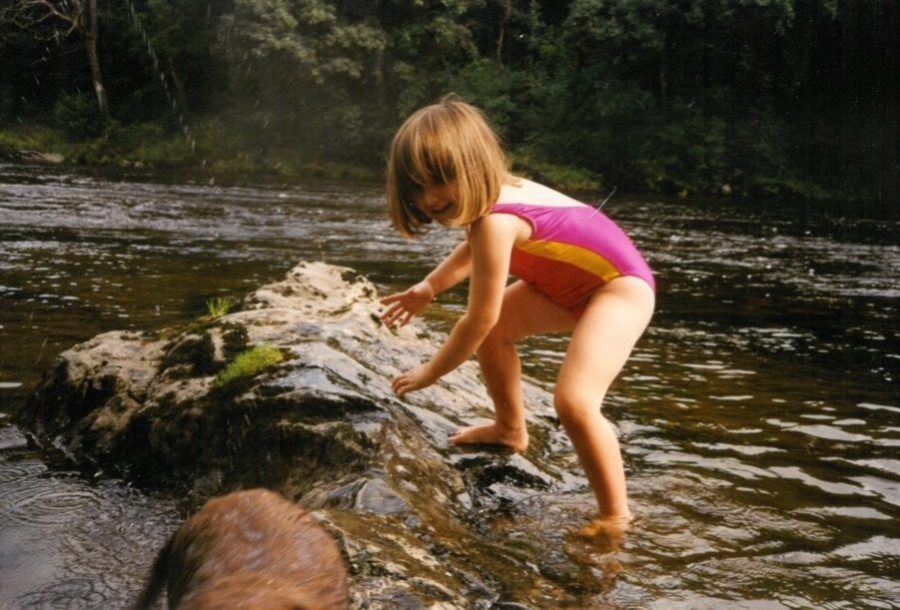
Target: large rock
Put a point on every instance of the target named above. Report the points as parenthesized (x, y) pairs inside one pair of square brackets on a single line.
[(322, 426)]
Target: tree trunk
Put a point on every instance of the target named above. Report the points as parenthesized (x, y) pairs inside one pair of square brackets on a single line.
[(501, 38), (90, 43)]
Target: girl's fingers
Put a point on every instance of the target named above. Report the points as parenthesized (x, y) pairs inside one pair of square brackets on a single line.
[(388, 316), (392, 313), (401, 384), (401, 308), (390, 298), (397, 313), (394, 298)]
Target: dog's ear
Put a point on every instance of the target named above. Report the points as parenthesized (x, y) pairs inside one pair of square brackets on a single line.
[(159, 578)]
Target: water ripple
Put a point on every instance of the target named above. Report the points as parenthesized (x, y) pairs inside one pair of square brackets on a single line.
[(36, 506)]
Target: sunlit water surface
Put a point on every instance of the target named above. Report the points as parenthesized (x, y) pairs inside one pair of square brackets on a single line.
[(759, 416)]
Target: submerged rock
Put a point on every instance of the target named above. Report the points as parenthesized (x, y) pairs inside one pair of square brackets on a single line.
[(321, 426)]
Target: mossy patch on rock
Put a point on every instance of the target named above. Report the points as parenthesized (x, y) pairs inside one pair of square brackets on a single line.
[(249, 363)]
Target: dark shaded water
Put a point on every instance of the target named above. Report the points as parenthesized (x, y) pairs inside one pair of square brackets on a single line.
[(760, 416)]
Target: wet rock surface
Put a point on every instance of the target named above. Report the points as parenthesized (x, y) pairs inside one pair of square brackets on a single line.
[(417, 520)]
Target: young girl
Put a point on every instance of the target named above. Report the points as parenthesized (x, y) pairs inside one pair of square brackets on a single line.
[(577, 272)]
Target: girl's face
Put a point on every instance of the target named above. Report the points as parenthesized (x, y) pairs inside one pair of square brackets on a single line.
[(439, 202)]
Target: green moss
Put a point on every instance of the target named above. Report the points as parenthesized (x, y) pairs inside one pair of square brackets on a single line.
[(249, 363)]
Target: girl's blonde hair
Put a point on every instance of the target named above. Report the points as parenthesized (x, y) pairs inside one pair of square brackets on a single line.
[(445, 142)]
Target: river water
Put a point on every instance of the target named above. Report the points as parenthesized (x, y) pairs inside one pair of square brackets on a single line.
[(759, 416)]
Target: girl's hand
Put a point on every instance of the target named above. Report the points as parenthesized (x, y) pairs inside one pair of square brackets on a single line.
[(404, 305), (411, 380)]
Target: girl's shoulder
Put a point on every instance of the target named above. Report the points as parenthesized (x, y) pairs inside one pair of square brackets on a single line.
[(500, 229), (527, 192)]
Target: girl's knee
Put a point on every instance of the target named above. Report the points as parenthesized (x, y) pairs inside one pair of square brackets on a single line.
[(576, 411), (500, 334)]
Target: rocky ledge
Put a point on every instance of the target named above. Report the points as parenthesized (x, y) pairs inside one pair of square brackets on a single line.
[(421, 523)]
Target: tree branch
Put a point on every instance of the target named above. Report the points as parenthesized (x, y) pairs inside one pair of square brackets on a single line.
[(25, 14)]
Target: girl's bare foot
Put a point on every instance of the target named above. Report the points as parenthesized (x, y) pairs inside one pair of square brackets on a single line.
[(611, 528), (491, 434)]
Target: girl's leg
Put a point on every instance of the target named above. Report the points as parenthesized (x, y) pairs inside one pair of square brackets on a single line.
[(525, 312), (602, 341)]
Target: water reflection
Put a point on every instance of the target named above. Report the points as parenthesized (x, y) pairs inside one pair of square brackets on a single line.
[(760, 416), (65, 543)]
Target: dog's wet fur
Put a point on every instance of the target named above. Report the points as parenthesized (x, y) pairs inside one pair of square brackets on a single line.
[(249, 549)]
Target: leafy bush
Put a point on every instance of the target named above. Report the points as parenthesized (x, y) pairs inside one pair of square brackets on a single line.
[(78, 116)]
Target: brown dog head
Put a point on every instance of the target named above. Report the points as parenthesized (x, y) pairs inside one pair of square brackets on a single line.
[(250, 549)]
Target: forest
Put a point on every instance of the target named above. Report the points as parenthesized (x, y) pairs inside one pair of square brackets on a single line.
[(753, 99)]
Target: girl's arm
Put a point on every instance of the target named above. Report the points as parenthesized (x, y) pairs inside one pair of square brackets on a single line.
[(450, 272), (491, 240)]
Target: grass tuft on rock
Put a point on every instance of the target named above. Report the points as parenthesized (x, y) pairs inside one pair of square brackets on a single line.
[(249, 363), (219, 306)]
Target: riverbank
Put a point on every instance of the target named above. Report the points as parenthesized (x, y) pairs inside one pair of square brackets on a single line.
[(217, 151), (214, 152)]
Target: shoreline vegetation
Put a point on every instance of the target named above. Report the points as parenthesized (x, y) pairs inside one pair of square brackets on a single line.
[(150, 146), (221, 156)]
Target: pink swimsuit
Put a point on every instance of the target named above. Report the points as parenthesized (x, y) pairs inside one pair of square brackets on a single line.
[(573, 250)]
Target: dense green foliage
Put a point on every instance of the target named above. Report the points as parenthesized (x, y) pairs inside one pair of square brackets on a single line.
[(743, 97)]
